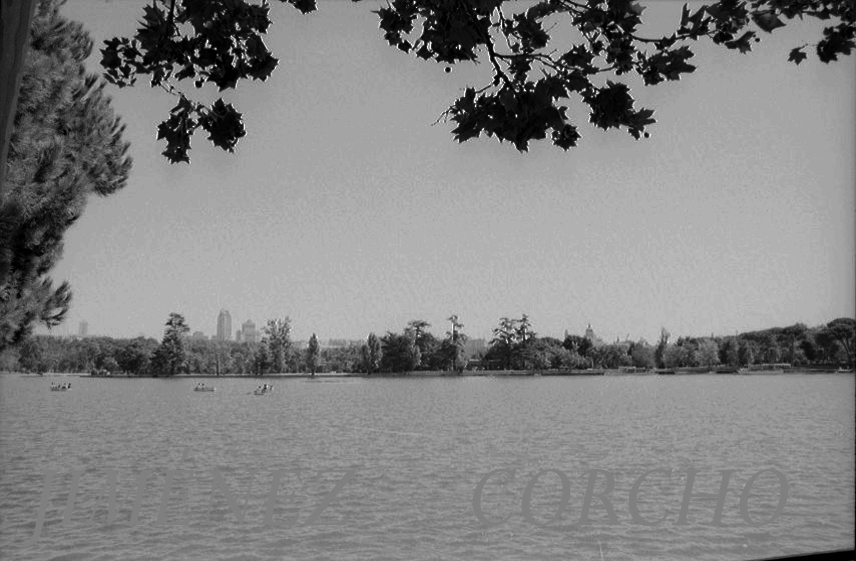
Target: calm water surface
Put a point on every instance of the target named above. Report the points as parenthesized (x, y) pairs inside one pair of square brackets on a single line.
[(419, 449)]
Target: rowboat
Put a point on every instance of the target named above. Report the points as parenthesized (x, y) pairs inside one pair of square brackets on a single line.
[(266, 389)]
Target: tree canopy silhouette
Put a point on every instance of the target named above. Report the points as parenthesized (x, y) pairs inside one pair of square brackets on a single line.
[(66, 145), (221, 42)]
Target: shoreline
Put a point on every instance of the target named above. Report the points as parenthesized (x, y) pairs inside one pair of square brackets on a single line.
[(466, 374)]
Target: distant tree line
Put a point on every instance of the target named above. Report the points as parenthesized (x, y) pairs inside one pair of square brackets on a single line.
[(414, 349), (175, 354), (514, 346)]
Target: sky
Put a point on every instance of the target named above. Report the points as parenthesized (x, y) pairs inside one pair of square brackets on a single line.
[(346, 210)]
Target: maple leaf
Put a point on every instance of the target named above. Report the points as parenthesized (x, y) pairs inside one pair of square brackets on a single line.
[(797, 55)]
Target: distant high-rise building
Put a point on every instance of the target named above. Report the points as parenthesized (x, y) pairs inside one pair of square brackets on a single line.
[(248, 332), (474, 347), (224, 326), (238, 336), (83, 329), (199, 336)]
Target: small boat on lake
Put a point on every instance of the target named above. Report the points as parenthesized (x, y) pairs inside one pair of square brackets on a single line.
[(262, 390), (61, 387), (204, 388)]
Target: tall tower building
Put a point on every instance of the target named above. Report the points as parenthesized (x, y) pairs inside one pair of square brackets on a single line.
[(83, 329), (248, 331), (224, 326)]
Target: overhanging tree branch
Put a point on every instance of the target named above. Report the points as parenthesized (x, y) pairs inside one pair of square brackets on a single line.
[(223, 45)]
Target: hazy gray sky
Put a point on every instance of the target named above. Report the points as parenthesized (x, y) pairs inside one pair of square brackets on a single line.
[(347, 211)]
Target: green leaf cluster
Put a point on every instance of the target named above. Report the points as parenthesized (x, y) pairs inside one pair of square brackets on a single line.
[(66, 145), (535, 78), (217, 42)]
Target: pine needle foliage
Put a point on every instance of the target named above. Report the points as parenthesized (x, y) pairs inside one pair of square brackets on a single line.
[(66, 145)]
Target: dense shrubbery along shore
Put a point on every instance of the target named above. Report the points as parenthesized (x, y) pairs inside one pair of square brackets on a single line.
[(515, 350)]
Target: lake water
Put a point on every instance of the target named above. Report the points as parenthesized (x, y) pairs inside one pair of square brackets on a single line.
[(411, 453)]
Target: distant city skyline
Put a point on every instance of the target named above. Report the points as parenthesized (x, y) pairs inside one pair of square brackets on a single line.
[(250, 333), (474, 343)]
